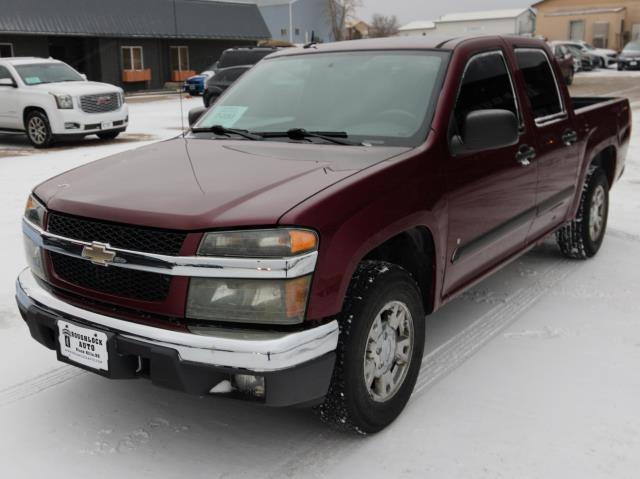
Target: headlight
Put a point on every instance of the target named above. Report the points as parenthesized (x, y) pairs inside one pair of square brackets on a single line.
[(265, 301), (34, 211), (33, 254), (274, 243), (121, 97), (65, 102)]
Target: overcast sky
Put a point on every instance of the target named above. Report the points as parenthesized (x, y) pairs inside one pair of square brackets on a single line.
[(410, 10)]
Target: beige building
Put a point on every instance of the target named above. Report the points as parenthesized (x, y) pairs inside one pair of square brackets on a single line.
[(603, 23)]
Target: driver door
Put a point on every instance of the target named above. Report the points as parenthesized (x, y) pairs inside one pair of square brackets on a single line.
[(8, 102), (491, 194)]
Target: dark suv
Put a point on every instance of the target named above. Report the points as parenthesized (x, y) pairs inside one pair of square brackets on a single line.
[(232, 64)]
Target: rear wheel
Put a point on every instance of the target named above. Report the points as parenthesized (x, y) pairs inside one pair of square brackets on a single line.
[(39, 129), (583, 236), (379, 352)]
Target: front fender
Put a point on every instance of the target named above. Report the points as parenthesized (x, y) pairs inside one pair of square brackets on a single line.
[(363, 211)]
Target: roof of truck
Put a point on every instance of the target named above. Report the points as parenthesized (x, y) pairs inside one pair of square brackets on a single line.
[(429, 42)]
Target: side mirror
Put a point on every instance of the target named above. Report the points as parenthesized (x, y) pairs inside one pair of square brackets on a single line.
[(84, 77), (195, 114), (486, 130), (7, 82)]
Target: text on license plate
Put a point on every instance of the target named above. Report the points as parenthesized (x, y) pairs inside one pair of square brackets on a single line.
[(83, 345)]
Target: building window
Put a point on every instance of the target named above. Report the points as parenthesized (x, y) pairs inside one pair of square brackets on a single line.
[(576, 30), (297, 31), (179, 58), (601, 34), (6, 50), (635, 31), (132, 58), (283, 31)]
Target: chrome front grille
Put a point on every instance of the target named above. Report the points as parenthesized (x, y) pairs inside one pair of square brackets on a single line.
[(100, 103)]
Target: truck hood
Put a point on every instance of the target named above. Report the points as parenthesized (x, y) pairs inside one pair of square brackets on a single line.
[(196, 184), (77, 88)]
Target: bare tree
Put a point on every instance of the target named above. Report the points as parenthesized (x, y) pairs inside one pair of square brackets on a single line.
[(339, 11), (383, 26)]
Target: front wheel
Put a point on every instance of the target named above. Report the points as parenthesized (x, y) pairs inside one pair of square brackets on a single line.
[(583, 236), (39, 129), (382, 332)]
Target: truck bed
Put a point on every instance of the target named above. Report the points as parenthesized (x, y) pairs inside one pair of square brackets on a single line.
[(605, 118)]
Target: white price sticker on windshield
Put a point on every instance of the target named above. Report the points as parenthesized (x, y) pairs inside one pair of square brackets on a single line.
[(226, 116)]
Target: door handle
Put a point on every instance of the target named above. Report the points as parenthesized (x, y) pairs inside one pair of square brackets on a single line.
[(525, 154), (569, 137)]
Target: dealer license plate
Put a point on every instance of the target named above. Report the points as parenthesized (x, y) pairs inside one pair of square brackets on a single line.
[(83, 345), (192, 87), (106, 125), (633, 64)]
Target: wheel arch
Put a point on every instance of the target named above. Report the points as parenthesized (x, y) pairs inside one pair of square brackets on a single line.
[(29, 109), (607, 160), (414, 250)]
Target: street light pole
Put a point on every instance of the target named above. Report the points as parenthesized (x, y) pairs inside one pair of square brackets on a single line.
[(291, 2)]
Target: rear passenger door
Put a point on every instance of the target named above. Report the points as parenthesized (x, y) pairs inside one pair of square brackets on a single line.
[(556, 139), (490, 194)]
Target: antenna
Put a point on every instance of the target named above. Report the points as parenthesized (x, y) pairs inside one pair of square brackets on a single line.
[(175, 29)]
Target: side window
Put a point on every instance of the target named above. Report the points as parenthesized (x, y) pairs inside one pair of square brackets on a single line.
[(540, 83), (486, 85), (4, 73)]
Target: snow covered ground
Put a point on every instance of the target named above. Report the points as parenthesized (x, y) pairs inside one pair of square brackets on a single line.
[(532, 374)]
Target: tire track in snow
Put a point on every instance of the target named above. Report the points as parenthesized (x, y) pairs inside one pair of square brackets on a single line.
[(40, 383), (321, 450), (450, 355)]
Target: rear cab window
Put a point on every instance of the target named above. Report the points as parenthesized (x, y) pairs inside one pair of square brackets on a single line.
[(541, 85)]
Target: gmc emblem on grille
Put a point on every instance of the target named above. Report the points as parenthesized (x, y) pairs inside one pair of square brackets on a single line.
[(99, 254), (103, 100)]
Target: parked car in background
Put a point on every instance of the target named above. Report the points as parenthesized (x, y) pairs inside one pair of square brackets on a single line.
[(223, 79), (233, 63), (585, 62), (286, 250), (238, 56), (565, 61), (49, 101), (195, 85), (605, 56), (629, 58)]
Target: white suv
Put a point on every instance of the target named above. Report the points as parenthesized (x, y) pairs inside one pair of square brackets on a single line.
[(49, 100)]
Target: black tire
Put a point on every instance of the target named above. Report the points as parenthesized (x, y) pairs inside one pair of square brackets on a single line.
[(349, 404), (206, 99), (108, 135), (569, 79), (620, 67), (38, 129), (577, 239)]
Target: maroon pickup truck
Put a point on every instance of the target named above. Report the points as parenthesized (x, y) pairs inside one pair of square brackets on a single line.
[(287, 248)]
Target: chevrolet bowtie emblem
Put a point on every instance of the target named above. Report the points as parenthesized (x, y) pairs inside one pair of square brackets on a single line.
[(98, 253)]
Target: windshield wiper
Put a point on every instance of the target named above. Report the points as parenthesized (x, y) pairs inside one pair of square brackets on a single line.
[(221, 130), (301, 134)]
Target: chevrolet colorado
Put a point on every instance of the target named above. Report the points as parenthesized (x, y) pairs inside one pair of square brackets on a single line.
[(287, 248)]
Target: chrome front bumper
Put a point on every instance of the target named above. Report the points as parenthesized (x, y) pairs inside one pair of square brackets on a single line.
[(238, 349)]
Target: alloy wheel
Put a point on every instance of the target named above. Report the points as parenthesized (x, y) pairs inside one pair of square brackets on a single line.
[(388, 353)]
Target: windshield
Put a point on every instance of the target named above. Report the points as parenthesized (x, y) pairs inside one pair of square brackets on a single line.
[(588, 46), (632, 47), (38, 73), (379, 98)]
